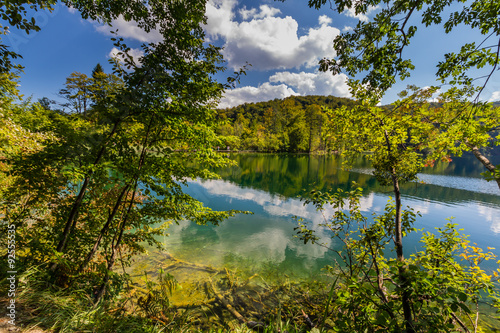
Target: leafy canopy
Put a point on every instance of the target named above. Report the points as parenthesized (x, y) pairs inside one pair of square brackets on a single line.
[(90, 188), (377, 48)]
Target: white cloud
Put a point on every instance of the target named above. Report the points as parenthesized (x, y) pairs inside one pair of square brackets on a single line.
[(220, 17), (347, 28), (266, 41), (285, 84), (323, 19), (351, 12), (495, 96), (318, 83), (135, 53), (265, 11), (248, 13), (130, 29), (248, 94)]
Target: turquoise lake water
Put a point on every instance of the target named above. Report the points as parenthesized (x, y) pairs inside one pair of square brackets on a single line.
[(271, 186)]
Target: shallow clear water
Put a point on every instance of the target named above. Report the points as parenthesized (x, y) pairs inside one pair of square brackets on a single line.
[(270, 187)]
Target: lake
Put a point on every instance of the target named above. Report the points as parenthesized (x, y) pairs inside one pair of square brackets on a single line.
[(270, 185)]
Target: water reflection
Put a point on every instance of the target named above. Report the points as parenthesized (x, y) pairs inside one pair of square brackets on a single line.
[(269, 186), (491, 215), (478, 185), (296, 175), (266, 235), (472, 184)]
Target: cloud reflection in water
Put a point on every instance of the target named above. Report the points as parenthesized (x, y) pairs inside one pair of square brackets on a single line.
[(268, 234)]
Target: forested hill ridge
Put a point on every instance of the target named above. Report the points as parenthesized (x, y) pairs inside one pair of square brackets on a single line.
[(293, 124), (296, 124)]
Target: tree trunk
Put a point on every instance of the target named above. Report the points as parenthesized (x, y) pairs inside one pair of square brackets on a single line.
[(114, 249), (121, 227), (398, 230), (485, 161), (405, 296), (321, 147), (71, 221), (104, 229), (310, 137)]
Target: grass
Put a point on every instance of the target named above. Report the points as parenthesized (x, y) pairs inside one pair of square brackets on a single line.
[(56, 309)]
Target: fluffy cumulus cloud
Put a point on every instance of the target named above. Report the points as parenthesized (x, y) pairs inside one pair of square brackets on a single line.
[(130, 29), (265, 40), (351, 12), (323, 19), (248, 94), (268, 40), (220, 17), (495, 96), (318, 83), (284, 84), (265, 11), (135, 53)]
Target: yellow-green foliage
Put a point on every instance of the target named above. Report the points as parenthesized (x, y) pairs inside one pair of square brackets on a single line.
[(443, 292)]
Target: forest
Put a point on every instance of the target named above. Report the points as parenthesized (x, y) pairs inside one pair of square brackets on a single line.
[(294, 124), (89, 187)]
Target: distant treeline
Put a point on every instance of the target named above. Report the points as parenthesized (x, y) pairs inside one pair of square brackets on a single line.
[(293, 124)]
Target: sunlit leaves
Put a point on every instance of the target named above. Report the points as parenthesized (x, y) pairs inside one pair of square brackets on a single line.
[(441, 287), (376, 48), (112, 179)]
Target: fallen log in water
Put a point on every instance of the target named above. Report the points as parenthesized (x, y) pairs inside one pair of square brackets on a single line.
[(226, 304), (248, 303), (223, 301), (178, 263)]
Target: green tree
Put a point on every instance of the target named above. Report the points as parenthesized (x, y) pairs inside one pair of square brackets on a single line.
[(100, 190), (402, 139), (45, 102), (77, 93), (368, 291), (314, 119), (399, 137), (97, 71), (376, 49), (85, 95), (16, 140)]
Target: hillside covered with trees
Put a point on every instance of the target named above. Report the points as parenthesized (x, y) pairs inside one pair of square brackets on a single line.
[(293, 124), (296, 124)]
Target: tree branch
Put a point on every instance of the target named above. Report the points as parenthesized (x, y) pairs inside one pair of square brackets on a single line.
[(489, 76)]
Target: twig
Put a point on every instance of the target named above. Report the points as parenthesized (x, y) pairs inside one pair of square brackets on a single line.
[(308, 320), (461, 323)]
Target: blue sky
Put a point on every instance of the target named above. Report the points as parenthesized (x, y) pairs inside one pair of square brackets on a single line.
[(282, 41)]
